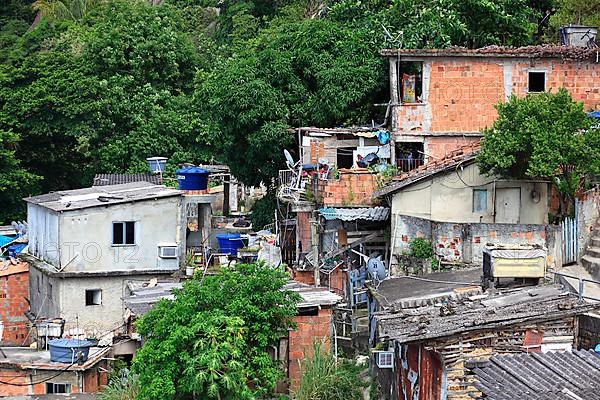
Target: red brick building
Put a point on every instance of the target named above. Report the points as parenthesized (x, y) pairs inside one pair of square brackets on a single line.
[(442, 99), (313, 323), (14, 292)]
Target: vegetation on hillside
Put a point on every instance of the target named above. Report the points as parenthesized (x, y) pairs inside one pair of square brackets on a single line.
[(90, 86)]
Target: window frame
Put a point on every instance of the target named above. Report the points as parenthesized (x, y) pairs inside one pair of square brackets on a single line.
[(529, 72), (54, 385), (124, 225), (92, 292), (474, 209)]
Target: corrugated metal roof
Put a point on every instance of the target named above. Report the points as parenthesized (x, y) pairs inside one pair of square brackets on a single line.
[(552, 376), (119, 179), (97, 196), (353, 214), (509, 308)]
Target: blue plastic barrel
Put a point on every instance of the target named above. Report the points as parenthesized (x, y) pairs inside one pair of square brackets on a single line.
[(192, 178), (65, 350), (230, 243)]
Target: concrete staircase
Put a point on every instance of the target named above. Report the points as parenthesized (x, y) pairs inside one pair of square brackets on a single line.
[(591, 257)]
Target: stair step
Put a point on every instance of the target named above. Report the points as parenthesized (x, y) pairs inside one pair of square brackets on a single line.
[(595, 241), (592, 265), (593, 251)]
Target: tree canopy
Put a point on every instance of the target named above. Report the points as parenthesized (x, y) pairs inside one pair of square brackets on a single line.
[(211, 341), (93, 86), (544, 135)]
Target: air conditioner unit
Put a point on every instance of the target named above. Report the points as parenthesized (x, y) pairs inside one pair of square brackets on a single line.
[(167, 251), (384, 359)]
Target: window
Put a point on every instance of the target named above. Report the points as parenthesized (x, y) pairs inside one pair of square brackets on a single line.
[(57, 388), (411, 77), (123, 233), (345, 157), (409, 155), (479, 200), (537, 82), (93, 297)]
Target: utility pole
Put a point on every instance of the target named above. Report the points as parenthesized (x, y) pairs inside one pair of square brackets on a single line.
[(314, 239)]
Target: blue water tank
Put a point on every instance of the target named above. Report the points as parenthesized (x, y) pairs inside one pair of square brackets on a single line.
[(192, 178), (230, 243), (66, 350)]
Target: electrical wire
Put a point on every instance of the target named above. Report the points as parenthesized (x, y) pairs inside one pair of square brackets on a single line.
[(37, 383)]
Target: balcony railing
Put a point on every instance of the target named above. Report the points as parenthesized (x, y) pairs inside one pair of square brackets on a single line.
[(406, 164)]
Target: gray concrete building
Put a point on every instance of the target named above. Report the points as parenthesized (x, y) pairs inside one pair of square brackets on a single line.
[(85, 246)]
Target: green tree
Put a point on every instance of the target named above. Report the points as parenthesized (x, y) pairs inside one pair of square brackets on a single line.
[(15, 182), (543, 135), (578, 12), (211, 341)]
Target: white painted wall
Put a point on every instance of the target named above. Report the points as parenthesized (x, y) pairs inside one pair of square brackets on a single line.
[(43, 233), (448, 197), (86, 236)]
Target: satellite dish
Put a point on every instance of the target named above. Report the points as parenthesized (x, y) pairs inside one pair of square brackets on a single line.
[(289, 159), (376, 269)]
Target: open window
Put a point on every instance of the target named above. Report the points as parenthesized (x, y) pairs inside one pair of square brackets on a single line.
[(411, 78), (93, 297), (123, 233), (409, 156), (345, 157), (536, 82)]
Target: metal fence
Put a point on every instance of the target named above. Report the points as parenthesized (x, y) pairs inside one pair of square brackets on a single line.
[(569, 240), (585, 289)]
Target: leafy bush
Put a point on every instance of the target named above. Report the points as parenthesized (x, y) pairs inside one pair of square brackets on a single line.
[(263, 211), (210, 342), (421, 248), (122, 386), (325, 379)]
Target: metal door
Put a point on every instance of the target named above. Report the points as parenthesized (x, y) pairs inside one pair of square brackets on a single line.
[(508, 205)]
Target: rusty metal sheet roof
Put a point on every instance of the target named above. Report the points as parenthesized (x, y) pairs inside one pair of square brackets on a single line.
[(552, 376)]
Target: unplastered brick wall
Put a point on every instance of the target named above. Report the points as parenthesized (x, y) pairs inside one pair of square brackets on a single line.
[(460, 92), (464, 242), (309, 328), (14, 292), (354, 187), (438, 147)]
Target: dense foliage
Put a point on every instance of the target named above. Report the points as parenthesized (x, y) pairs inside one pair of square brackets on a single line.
[(543, 135), (325, 378), (91, 86), (211, 342)]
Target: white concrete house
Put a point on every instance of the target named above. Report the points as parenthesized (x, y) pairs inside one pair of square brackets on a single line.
[(86, 245)]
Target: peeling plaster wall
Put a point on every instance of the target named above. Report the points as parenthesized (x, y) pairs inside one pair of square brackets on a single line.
[(464, 242), (588, 211)]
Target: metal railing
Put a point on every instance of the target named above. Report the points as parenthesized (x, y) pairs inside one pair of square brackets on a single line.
[(407, 164), (581, 285)]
